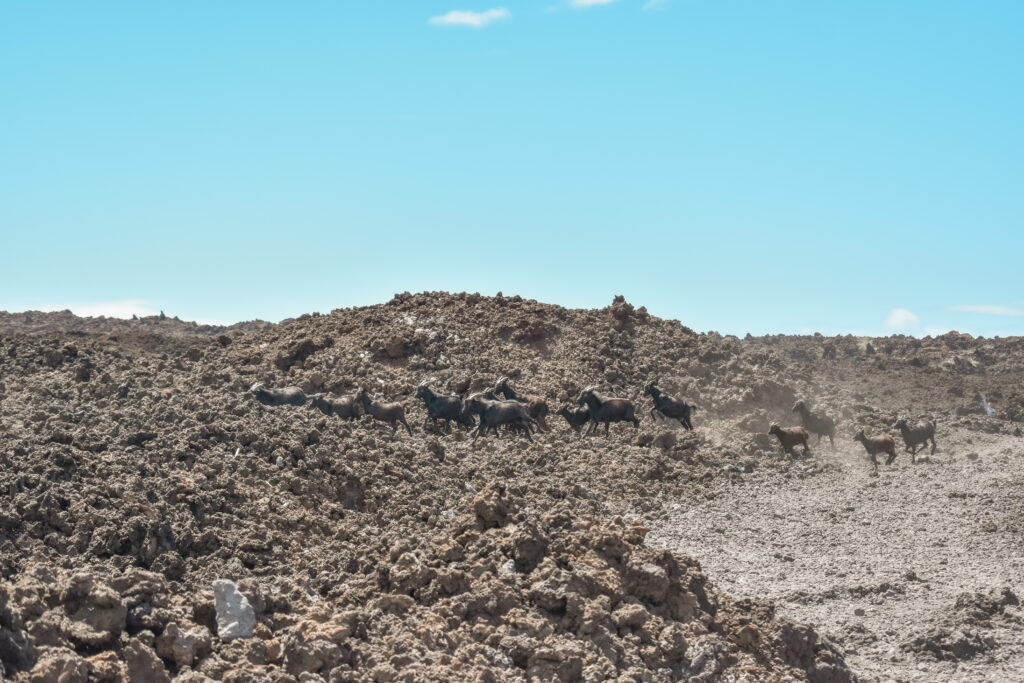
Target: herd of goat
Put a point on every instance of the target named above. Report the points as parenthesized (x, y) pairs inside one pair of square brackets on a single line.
[(501, 406)]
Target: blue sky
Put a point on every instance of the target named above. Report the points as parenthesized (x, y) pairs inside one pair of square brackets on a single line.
[(744, 165)]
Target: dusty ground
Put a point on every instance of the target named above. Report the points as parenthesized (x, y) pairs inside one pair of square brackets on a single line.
[(889, 567)]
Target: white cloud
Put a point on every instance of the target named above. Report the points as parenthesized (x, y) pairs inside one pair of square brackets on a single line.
[(590, 3), (989, 309), (468, 18), (900, 319), (654, 4)]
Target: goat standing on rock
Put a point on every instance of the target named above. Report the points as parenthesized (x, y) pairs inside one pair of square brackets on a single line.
[(392, 413), (606, 410), (822, 425), (668, 407), (791, 437)]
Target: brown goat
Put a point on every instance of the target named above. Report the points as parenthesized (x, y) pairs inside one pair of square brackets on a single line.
[(878, 444), (345, 407), (576, 417), (791, 437), (392, 413)]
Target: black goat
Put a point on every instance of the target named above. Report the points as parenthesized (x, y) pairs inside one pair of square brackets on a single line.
[(822, 425), (290, 396), (344, 407), (536, 405), (494, 414), (576, 417), (669, 407), (915, 436), (440, 407), (606, 410), (392, 413)]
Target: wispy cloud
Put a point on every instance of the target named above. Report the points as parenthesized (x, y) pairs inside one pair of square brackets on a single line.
[(469, 18), (654, 4), (590, 3), (989, 309), (900, 319)]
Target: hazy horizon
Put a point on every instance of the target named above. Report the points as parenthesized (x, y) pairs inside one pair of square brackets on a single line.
[(125, 310)]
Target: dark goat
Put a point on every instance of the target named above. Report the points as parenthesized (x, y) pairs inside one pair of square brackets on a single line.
[(392, 413), (822, 425), (536, 405), (576, 417), (494, 414), (445, 408), (878, 444), (915, 436), (344, 407), (606, 410), (466, 419), (791, 437), (285, 396), (491, 395), (669, 407)]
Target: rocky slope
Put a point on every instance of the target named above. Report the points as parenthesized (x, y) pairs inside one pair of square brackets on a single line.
[(137, 471)]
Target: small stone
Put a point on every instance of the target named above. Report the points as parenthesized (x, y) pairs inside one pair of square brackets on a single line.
[(235, 616), (972, 455), (859, 612)]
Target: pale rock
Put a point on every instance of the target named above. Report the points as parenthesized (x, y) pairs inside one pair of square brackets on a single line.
[(235, 616)]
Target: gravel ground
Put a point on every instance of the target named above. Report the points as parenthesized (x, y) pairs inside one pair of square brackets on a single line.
[(906, 571)]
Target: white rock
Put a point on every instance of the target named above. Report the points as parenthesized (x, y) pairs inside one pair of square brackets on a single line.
[(235, 616)]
